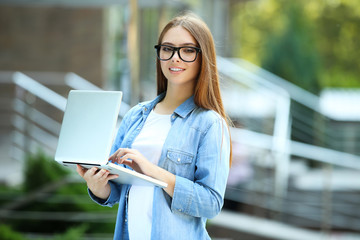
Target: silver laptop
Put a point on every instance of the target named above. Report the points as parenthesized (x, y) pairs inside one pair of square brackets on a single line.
[(87, 133)]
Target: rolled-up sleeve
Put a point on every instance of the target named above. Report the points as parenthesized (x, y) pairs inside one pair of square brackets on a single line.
[(204, 197), (111, 200)]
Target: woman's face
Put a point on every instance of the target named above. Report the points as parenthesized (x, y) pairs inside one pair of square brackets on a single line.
[(177, 72)]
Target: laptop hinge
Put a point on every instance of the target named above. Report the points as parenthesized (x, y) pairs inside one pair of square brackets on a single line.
[(80, 163)]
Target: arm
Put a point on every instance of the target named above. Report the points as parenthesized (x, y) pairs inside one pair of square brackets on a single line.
[(204, 197), (134, 159)]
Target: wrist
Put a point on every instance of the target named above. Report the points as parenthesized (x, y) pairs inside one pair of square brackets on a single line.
[(167, 177), (102, 193)]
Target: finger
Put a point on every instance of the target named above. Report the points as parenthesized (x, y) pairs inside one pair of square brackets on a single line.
[(123, 159), (128, 163), (124, 151), (128, 156), (112, 157), (81, 171), (117, 155), (91, 172), (121, 152), (112, 176), (116, 158), (101, 173)]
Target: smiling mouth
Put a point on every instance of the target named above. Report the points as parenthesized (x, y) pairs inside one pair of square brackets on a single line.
[(177, 69)]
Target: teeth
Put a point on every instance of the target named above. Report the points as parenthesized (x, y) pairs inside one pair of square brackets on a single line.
[(176, 69)]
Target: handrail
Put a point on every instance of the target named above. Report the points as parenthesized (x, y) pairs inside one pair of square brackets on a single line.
[(247, 73), (40, 90), (40, 118), (297, 93), (71, 79), (301, 96), (319, 154)]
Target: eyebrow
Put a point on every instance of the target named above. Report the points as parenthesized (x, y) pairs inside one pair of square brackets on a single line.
[(183, 44)]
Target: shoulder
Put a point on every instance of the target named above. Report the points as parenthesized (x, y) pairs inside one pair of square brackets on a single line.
[(137, 109), (133, 111), (206, 115), (203, 119)]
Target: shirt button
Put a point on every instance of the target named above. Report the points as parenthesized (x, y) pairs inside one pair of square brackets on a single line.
[(145, 109), (125, 220), (178, 159), (179, 210), (173, 117)]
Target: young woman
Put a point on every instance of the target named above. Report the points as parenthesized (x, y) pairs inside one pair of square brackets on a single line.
[(181, 138)]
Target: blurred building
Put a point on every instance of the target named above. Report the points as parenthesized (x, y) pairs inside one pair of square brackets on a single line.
[(53, 39), (289, 145)]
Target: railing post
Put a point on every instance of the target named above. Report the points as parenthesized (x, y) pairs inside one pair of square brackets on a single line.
[(280, 148), (327, 199), (29, 101)]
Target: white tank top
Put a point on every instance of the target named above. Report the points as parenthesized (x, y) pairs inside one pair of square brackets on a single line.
[(149, 143)]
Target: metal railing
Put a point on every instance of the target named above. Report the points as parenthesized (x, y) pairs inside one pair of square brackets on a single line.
[(265, 190), (34, 128), (305, 111)]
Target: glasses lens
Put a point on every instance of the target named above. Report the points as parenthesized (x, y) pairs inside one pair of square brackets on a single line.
[(165, 52), (188, 54)]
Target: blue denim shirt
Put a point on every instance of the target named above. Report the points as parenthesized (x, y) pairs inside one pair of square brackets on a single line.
[(197, 151)]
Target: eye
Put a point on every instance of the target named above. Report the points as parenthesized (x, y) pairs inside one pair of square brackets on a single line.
[(189, 50), (167, 49)]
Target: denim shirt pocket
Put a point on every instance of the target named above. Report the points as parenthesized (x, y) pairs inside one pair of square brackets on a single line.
[(180, 163)]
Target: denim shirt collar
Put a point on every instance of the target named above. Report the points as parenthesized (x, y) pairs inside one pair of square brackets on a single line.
[(183, 110), (186, 107)]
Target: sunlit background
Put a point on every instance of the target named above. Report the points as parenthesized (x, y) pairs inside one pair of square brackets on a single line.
[(290, 80)]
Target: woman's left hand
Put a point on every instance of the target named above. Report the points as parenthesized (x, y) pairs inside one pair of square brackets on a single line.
[(132, 158)]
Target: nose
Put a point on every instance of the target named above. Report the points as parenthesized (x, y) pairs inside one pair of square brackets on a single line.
[(176, 57)]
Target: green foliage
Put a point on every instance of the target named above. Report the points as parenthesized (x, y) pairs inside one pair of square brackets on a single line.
[(74, 233), (283, 35), (338, 30), (7, 233), (291, 54), (41, 170)]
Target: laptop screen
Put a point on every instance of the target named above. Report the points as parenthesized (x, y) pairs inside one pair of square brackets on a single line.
[(88, 127)]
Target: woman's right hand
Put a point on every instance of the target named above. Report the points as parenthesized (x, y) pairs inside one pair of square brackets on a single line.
[(97, 181)]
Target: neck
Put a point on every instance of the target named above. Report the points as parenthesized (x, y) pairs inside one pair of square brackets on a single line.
[(174, 97)]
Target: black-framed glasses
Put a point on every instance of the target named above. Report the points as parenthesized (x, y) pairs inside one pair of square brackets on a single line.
[(187, 53)]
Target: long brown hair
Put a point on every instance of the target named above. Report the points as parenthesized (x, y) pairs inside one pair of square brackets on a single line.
[(207, 88)]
